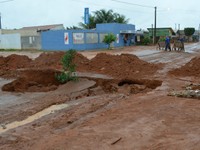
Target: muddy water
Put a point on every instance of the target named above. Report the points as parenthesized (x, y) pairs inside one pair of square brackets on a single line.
[(47, 111)]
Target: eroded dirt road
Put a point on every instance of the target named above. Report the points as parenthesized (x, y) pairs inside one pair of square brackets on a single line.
[(101, 114)]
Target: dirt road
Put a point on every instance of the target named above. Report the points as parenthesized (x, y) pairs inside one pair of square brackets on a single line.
[(126, 108)]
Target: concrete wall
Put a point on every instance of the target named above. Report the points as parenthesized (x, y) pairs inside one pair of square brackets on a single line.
[(30, 39), (31, 42), (10, 41), (55, 40), (21, 32)]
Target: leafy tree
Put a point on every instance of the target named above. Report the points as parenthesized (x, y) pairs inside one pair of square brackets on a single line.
[(103, 16), (68, 67), (108, 39), (120, 18), (91, 24), (73, 28), (189, 32), (146, 41)]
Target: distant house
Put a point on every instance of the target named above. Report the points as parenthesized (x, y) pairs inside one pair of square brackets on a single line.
[(26, 37), (180, 33), (44, 27), (161, 32)]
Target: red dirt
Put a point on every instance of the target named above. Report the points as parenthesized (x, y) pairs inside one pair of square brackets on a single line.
[(14, 61), (43, 79), (122, 66), (33, 81), (191, 68), (130, 111)]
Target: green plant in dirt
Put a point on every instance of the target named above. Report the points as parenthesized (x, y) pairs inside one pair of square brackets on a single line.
[(108, 39), (69, 68)]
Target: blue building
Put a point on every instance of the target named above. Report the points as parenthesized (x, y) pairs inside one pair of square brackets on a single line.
[(88, 39)]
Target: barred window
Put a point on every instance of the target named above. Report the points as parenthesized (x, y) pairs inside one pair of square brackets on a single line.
[(78, 38), (91, 38)]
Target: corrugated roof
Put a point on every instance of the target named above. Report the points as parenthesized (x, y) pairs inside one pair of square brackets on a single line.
[(168, 28), (40, 28)]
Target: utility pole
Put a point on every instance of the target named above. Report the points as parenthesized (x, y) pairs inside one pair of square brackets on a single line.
[(154, 39), (3, 1), (146, 6), (198, 32), (0, 22), (152, 31)]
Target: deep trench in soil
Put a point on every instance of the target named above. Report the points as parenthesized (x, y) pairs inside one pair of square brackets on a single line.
[(41, 80)]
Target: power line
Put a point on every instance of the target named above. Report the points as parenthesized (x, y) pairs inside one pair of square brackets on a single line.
[(147, 6), (125, 9), (6, 1)]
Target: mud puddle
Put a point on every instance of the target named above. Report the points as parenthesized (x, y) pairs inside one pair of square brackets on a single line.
[(45, 112), (50, 110), (145, 53)]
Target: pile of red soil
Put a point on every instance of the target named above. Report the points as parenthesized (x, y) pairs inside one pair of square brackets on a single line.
[(122, 66), (9, 64), (14, 62), (192, 68), (33, 81), (118, 66), (41, 76), (53, 60), (48, 60)]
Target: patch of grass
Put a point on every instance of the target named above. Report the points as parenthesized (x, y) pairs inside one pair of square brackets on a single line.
[(9, 50)]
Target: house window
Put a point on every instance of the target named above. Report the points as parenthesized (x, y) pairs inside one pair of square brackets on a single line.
[(78, 38), (91, 38), (30, 40)]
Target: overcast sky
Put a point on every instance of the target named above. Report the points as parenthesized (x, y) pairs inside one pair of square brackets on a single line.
[(22, 13)]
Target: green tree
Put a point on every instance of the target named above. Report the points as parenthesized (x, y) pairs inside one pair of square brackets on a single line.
[(146, 41), (91, 25), (108, 39), (120, 18), (68, 67), (103, 16), (189, 32), (73, 28)]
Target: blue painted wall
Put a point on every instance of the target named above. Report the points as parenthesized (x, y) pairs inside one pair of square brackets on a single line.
[(116, 28), (54, 40)]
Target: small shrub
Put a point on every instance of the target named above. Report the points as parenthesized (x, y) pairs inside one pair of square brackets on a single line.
[(68, 68), (108, 39), (146, 41)]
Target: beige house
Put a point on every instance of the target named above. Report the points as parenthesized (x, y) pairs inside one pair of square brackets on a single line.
[(30, 37)]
